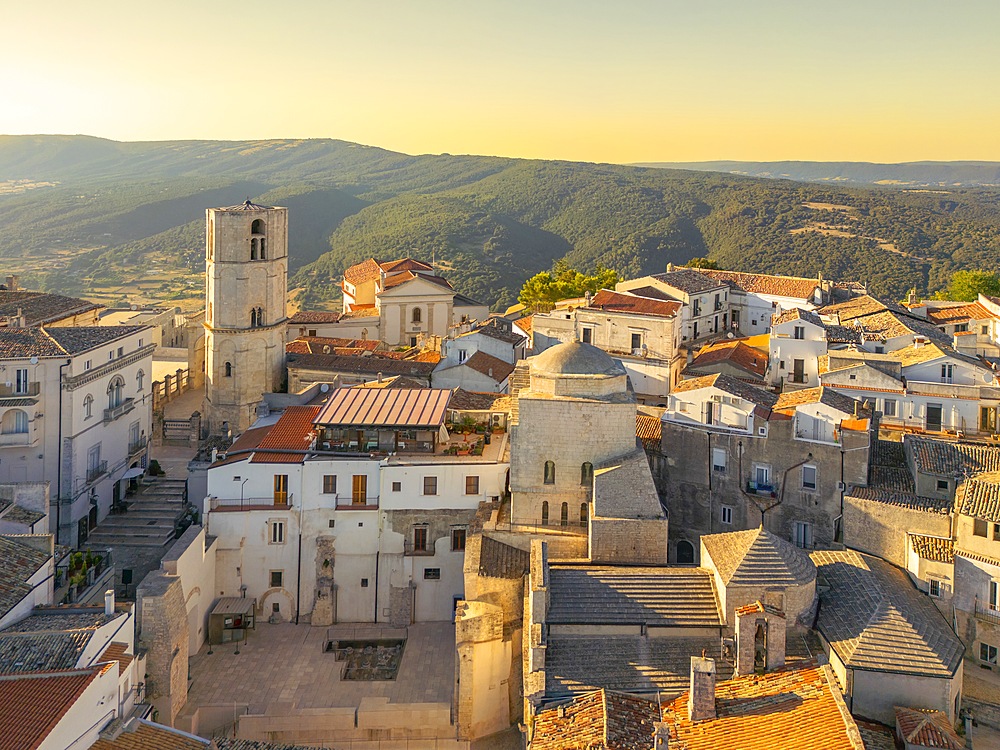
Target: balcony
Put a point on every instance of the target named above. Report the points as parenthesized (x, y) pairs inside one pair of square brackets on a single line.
[(136, 447), (229, 504), (17, 439), (29, 390), (110, 415), (96, 472), (987, 613), (799, 377), (761, 488)]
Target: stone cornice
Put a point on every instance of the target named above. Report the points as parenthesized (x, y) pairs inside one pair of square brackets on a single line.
[(73, 382)]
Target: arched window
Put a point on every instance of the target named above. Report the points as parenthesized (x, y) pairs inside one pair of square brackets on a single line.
[(685, 553), (253, 249), (116, 392), (584, 513), (257, 227), (545, 513), (550, 472), (228, 369), (256, 317), (416, 315), (88, 406), (14, 421), (587, 474), (140, 378), (263, 253), (564, 515)]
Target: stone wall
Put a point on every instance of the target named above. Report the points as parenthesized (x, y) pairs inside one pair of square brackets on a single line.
[(627, 540), (163, 632), (880, 528)]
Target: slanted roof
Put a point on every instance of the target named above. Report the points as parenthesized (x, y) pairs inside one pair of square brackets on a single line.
[(20, 562), (59, 618), (952, 457), (397, 381), (21, 343), (901, 499), (371, 365), (797, 313), (607, 595), (979, 497), (736, 352), (624, 488), (359, 273), (600, 720), (875, 620), (792, 708), (405, 264), (934, 548), (84, 338), (42, 652), (500, 560), (228, 743), (39, 308), (405, 277), (959, 313), (758, 283), (649, 430), (688, 281), (32, 705), (116, 652), (139, 734), (463, 400), (492, 367), (494, 330), (331, 345), (790, 400), (755, 557), (396, 407), (732, 386), (292, 432), (925, 727), (633, 304), (313, 316)]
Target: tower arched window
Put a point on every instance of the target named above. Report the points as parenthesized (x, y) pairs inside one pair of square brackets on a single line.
[(116, 392), (587, 474), (253, 248), (263, 252), (140, 378), (550, 472), (88, 406), (564, 515), (14, 421), (545, 512), (256, 317), (227, 369), (257, 227), (417, 315), (584, 513)]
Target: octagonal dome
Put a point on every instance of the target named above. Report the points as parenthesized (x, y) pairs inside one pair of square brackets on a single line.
[(576, 358)]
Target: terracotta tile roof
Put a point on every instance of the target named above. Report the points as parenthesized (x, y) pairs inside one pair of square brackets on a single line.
[(359, 273), (20, 562), (463, 400), (790, 400), (979, 497), (327, 344), (797, 313), (606, 595), (941, 316), (857, 307), (730, 385), (948, 457), (936, 548), (232, 744), (360, 311), (432, 357), (32, 705), (901, 499), (757, 557), (915, 355), (314, 316), (759, 607), (876, 736), (385, 407), (793, 708), (736, 352), (138, 734), (42, 652), (333, 363), (758, 283), (116, 652), (490, 366), (959, 552), (875, 619), (405, 264), (649, 430), (244, 445), (292, 432), (39, 308), (925, 727), (500, 560), (633, 304), (601, 720), (688, 281), (406, 277), (526, 323), (297, 347)]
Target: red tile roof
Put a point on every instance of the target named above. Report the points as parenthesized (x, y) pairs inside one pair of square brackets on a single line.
[(601, 720), (116, 652), (940, 316), (630, 303), (314, 316), (292, 432), (649, 430), (405, 264), (328, 344), (736, 352), (31, 705), (490, 366), (244, 445), (924, 727), (390, 407), (755, 283), (145, 735), (433, 357), (359, 273)]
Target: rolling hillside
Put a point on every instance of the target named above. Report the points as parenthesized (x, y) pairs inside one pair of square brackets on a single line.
[(124, 221)]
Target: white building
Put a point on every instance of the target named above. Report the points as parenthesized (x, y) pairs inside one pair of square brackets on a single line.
[(355, 511), (705, 302), (797, 341), (755, 297), (75, 411)]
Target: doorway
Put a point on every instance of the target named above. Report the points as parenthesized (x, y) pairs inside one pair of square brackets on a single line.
[(934, 412), (685, 553)]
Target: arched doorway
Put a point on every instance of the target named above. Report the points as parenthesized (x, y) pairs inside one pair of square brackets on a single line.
[(685, 553)]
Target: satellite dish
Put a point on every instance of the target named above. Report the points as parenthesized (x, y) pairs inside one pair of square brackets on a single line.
[(729, 335), (134, 307), (324, 388), (34, 360)]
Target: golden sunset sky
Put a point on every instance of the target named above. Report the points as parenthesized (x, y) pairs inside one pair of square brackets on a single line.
[(616, 81)]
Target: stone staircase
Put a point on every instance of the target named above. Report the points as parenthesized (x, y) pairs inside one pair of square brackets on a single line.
[(150, 519)]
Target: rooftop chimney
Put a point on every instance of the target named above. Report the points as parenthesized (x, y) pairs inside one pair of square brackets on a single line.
[(760, 639), (661, 735), (109, 602), (701, 702), (670, 267), (12, 283)]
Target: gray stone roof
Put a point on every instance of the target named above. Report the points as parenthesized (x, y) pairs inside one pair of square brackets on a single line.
[(41, 652), (755, 557), (876, 620), (576, 358), (732, 386), (688, 281), (951, 457), (608, 595), (23, 516), (57, 619), (499, 560), (901, 499), (39, 308), (797, 313), (624, 488), (980, 497), (223, 743), (19, 563), (76, 340), (360, 365)]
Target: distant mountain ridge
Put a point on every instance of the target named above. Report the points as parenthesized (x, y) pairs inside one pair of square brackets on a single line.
[(906, 174), (92, 217)]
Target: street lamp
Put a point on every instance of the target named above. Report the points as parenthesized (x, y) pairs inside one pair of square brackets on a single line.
[(242, 484)]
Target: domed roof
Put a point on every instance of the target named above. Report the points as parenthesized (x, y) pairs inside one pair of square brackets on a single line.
[(576, 358)]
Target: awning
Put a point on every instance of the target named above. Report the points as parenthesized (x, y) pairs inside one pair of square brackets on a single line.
[(133, 473)]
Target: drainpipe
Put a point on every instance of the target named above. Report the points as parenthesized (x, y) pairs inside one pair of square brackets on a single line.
[(711, 496), (298, 571), (59, 453)]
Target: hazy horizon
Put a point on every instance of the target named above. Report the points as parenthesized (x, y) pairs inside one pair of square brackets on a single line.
[(644, 81)]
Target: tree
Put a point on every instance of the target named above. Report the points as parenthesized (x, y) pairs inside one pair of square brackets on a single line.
[(544, 289), (703, 263), (966, 286)]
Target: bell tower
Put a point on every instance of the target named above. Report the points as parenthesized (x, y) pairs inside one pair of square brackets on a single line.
[(246, 278)]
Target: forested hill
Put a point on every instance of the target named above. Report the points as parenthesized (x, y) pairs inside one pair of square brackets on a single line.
[(80, 213)]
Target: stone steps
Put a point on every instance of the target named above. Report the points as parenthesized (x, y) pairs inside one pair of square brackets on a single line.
[(143, 521), (101, 539)]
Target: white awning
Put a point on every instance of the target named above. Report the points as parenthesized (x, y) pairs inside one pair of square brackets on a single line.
[(133, 473)]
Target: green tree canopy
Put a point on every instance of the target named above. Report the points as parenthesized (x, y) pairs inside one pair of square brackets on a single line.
[(966, 286), (703, 263), (544, 289)]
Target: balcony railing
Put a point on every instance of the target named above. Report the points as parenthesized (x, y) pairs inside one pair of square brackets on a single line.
[(17, 438), (987, 612), (761, 488), (96, 472), (29, 390), (110, 415), (801, 377), (137, 446)]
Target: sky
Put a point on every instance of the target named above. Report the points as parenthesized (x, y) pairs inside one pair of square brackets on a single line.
[(610, 81)]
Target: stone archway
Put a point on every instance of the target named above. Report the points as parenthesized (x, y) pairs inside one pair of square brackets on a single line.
[(685, 552)]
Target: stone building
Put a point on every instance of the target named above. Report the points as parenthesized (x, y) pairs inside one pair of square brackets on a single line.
[(246, 277)]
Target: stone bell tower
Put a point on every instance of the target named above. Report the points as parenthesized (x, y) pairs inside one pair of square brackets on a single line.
[(246, 278)]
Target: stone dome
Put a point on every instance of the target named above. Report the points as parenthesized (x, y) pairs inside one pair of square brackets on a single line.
[(576, 358)]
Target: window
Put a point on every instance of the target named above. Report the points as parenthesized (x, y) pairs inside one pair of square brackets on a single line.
[(121, 351), (430, 485), (276, 579), (584, 513), (880, 350), (762, 474), (280, 489), (889, 407), (139, 378), (803, 535), (718, 302), (253, 249), (587, 335), (719, 460), (87, 365), (980, 527), (359, 489), (996, 532), (462, 355), (14, 421), (550, 472), (586, 474), (333, 523), (942, 485), (987, 653), (726, 514), (413, 340), (472, 485), (417, 315), (21, 381), (636, 340), (116, 391), (419, 538), (985, 330), (227, 369), (934, 588), (329, 484), (947, 373), (364, 583), (277, 532), (257, 227), (696, 309), (799, 332), (564, 515), (88, 406), (808, 477), (312, 331), (397, 486), (545, 512), (457, 539), (432, 574)]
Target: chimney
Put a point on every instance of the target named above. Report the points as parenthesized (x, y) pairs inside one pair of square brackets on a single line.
[(661, 735), (12, 283), (760, 638), (109, 602), (701, 702), (670, 267), (378, 377), (587, 296), (911, 297)]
